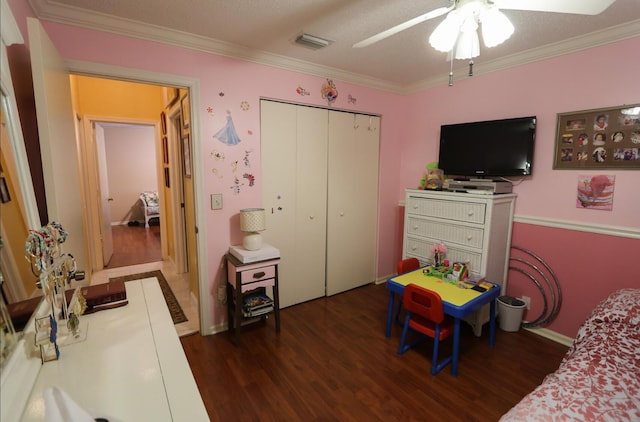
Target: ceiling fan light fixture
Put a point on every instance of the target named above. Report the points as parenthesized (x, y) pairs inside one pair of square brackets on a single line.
[(444, 37), (496, 27), (468, 45)]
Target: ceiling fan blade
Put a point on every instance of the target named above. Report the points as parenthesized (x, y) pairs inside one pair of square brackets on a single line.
[(405, 25), (577, 7)]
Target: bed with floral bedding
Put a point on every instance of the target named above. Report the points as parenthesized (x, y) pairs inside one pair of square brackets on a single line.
[(599, 377)]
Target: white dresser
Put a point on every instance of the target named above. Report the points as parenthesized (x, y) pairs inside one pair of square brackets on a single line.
[(476, 228)]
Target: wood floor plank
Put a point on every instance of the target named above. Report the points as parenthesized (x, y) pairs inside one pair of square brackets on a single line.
[(332, 362), (134, 245)]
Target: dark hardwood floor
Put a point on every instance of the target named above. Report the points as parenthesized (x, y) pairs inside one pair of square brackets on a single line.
[(332, 362), (134, 245)]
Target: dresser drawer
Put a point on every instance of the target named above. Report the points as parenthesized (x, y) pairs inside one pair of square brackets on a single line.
[(254, 285), (462, 235), (257, 274), (469, 212), (421, 249)]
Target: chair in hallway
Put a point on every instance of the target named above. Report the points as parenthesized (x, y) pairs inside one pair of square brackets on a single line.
[(150, 206), (425, 315)]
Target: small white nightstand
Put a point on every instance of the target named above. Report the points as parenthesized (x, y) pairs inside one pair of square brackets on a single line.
[(254, 276)]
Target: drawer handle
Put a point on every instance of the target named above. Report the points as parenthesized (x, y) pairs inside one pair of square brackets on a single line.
[(259, 275)]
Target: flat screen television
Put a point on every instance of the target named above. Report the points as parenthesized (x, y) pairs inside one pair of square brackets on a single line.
[(489, 149)]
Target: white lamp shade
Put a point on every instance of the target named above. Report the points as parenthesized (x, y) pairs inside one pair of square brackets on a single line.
[(444, 37), (252, 220), (496, 27), (468, 46)]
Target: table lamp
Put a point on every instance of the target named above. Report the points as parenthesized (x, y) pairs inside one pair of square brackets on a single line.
[(252, 221)]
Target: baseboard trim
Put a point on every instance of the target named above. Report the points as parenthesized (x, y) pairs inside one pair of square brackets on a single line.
[(552, 335)]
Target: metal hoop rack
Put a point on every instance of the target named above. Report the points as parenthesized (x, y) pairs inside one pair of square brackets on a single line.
[(541, 274)]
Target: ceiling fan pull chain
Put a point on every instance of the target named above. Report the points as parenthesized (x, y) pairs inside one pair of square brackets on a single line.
[(471, 67), (451, 71)]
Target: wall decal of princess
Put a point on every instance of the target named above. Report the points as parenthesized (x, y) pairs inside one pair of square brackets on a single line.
[(227, 134)]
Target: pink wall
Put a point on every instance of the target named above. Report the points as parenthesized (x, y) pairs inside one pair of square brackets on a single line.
[(409, 138), (580, 81), (131, 165), (588, 267)]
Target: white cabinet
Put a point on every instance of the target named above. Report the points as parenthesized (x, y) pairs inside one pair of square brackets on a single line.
[(320, 192), (475, 228)]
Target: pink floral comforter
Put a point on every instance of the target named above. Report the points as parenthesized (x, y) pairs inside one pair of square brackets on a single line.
[(599, 377)]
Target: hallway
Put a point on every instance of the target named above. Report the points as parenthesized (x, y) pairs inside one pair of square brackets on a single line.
[(134, 245)]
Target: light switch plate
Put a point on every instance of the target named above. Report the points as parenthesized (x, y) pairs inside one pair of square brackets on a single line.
[(216, 201)]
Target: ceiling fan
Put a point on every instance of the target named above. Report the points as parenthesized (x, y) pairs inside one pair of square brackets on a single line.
[(459, 28)]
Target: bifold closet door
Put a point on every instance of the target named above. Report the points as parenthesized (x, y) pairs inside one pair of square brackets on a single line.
[(352, 208), (294, 157)]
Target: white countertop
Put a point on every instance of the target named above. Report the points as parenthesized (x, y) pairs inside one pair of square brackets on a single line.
[(131, 366)]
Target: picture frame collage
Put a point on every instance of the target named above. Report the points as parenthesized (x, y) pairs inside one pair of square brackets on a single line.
[(604, 138)]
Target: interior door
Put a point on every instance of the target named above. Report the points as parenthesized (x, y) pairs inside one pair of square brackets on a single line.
[(56, 131), (105, 198), (353, 200)]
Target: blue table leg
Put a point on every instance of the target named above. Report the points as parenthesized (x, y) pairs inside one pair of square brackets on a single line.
[(456, 347), (390, 313), (492, 323)]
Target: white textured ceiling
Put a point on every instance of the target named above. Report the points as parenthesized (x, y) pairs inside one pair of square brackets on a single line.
[(264, 31)]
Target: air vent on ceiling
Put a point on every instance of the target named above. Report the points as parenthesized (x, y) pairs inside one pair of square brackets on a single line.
[(312, 41)]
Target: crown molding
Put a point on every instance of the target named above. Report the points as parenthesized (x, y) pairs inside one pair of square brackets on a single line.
[(75, 16)]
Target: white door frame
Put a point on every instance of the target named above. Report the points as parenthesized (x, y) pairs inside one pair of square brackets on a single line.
[(193, 85), (178, 222), (89, 166)]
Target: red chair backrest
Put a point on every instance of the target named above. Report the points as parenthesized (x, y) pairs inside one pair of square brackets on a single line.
[(407, 265), (423, 302)]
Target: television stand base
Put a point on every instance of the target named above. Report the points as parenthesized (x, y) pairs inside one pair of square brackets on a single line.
[(478, 185)]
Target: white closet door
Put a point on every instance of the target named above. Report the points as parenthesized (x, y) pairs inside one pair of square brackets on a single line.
[(294, 155), (352, 201)]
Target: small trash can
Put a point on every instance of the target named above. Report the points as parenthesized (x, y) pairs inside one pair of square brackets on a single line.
[(510, 311)]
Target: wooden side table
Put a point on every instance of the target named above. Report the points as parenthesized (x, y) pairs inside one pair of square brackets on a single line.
[(248, 278)]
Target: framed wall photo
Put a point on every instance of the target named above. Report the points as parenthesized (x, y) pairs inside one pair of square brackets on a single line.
[(167, 183), (165, 150), (186, 153), (170, 95), (163, 123), (184, 108), (4, 191), (604, 138)]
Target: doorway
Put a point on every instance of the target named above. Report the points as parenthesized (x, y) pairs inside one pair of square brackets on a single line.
[(127, 169), (132, 141)]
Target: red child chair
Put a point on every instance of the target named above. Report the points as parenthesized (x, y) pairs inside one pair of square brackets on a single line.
[(405, 266), (425, 315)]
